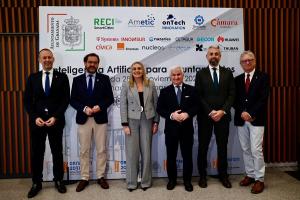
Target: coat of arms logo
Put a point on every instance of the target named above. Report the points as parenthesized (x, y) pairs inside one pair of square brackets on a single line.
[(72, 34)]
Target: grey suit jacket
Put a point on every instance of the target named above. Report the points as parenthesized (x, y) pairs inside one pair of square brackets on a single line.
[(130, 106)]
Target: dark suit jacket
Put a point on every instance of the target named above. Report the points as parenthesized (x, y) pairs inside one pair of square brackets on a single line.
[(255, 102), (38, 104), (209, 98), (167, 103), (102, 96)]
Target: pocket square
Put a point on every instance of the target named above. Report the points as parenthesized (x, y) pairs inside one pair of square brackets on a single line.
[(186, 96)]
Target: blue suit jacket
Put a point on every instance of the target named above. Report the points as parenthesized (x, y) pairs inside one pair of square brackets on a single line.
[(102, 96), (255, 102)]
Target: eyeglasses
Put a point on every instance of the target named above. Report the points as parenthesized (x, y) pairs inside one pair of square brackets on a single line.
[(246, 61)]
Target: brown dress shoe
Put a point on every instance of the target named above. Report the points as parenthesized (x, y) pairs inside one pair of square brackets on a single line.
[(258, 187), (102, 182), (247, 181), (82, 184)]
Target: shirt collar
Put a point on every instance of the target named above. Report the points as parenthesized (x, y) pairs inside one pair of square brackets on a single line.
[(211, 67), (50, 71), (251, 73), (87, 75)]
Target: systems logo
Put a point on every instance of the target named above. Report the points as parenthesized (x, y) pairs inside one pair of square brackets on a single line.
[(172, 23), (148, 22), (199, 21), (205, 39), (223, 23), (159, 39), (105, 23), (221, 39)]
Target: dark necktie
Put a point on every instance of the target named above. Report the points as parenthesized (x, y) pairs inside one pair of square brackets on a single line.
[(47, 84), (178, 94), (216, 83), (90, 85), (247, 84)]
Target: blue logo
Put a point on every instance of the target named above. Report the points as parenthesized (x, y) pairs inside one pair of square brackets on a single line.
[(199, 21)]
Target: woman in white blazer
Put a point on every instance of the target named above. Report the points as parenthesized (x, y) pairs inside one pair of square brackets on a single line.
[(140, 121)]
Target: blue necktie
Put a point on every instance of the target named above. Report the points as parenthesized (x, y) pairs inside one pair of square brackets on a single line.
[(47, 84), (178, 94), (90, 85), (216, 83)]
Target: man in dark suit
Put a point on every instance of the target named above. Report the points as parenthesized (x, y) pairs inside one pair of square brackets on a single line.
[(91, 96), (177, 104), (252, 90), (46, 98), (216, 91)]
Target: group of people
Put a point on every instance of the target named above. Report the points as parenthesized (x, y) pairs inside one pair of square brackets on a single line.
[(216, 91)]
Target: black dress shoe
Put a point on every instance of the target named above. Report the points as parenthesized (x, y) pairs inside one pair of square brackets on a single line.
[(145, 188), (60, 186), (226, 183), (202, 183), (188, 187), (171, 185), (34, 190)]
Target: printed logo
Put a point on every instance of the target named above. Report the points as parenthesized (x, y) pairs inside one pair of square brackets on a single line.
[(121, 46), (228, 48), (152, 47), (172, 24), (105, 23), (223, 23), (205, 39), (148, 22), (223, 39), (159, 39), (100, 47), (199, 21), (200, 47), (184, 39), (71, 32)]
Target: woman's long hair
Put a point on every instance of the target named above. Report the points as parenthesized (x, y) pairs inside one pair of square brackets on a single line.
[(144, 77)]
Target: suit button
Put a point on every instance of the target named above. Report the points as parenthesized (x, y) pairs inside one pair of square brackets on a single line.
[(246, 100)]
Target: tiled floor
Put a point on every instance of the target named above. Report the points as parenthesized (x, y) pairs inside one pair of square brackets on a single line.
[(279, 185)]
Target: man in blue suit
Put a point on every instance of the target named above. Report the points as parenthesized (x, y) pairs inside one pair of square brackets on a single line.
[(46, 99), (178, 105), (91, 96), (252, 91)]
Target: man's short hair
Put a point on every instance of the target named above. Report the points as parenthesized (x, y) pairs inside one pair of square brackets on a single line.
[(92, 55)]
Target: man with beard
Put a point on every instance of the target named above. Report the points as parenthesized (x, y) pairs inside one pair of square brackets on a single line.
[(91, 96), (216, 91)]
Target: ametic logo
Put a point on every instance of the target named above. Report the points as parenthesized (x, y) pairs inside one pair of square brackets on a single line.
[(148, 22)]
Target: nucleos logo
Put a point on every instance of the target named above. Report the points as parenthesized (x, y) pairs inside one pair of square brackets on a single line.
[(148, 22), (205, 39), (223, 39), (199, 21), (152, 47), (159, 39), (172, 24), (105, 23), (223, 23)]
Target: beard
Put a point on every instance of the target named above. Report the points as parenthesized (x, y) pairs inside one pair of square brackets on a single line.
[(91, 69), (214, 62)]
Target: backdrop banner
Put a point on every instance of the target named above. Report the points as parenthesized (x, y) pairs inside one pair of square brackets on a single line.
[(158, 37)]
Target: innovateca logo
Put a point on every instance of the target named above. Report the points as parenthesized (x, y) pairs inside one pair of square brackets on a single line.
[(71, 32), (148, 22), (105, 23), (172, 23)]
